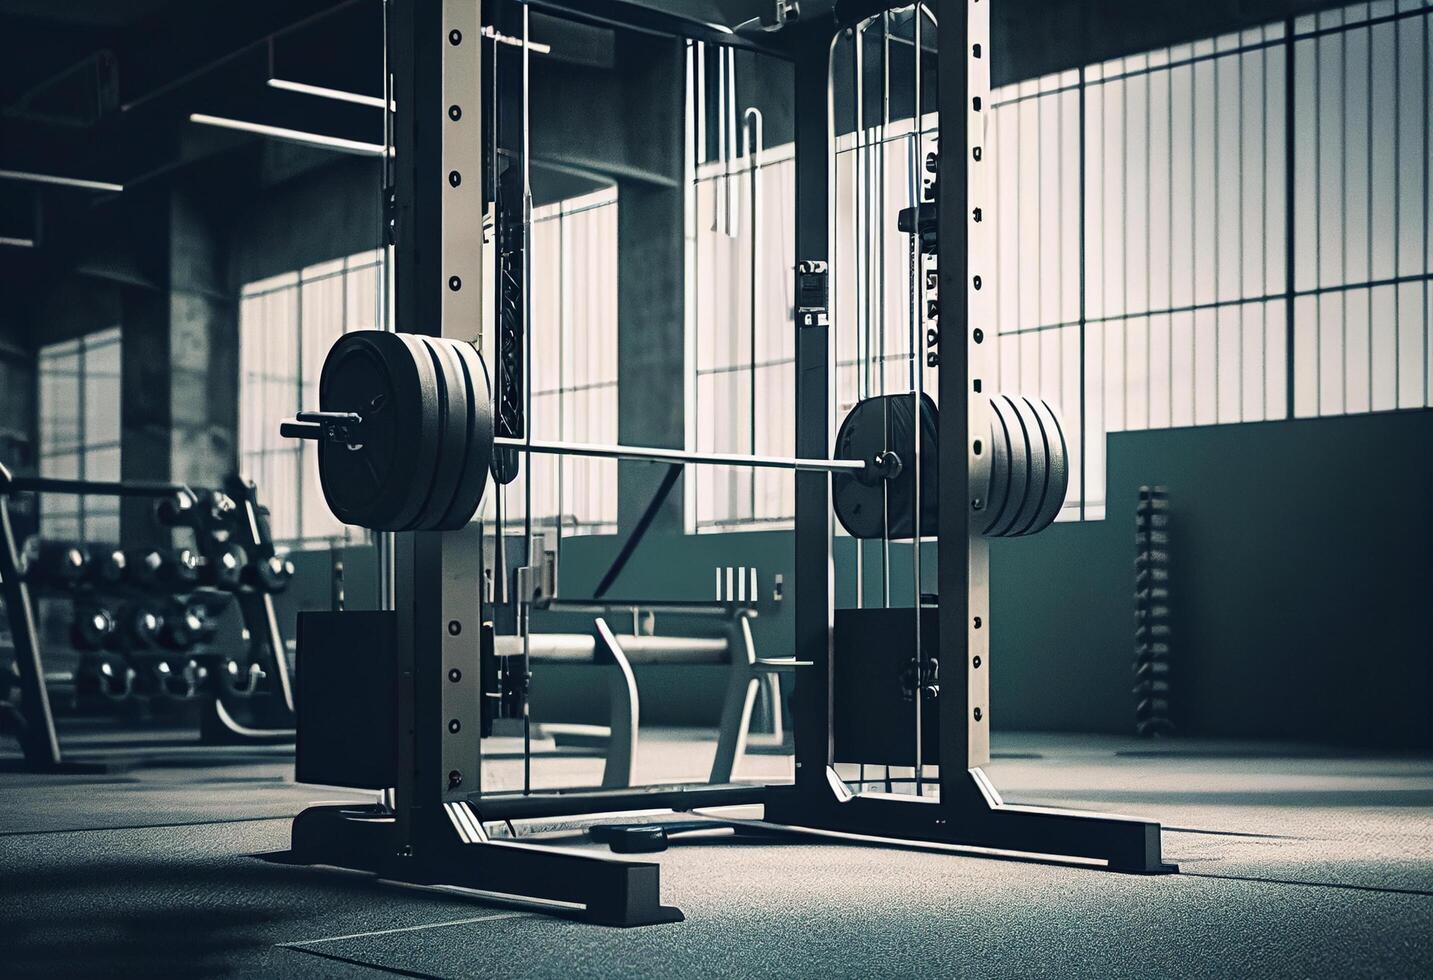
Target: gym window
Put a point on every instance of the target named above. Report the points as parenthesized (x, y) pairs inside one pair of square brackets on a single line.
[(742, 375), (741, 356), (79, 433), (286, 325), (1173, 305), (1143, 248), (574, 368)]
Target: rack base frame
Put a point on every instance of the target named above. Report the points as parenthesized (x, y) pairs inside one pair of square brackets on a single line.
[(589, 887), (455, 851)]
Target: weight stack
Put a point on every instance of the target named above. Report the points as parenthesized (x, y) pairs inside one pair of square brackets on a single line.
[(1152, 626)]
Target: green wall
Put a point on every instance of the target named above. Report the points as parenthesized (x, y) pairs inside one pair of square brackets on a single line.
[(1302, 587)]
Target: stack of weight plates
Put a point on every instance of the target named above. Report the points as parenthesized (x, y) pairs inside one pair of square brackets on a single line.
[(427, 431), (1028, 465)]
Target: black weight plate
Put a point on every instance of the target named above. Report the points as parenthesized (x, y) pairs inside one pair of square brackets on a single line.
[(928, 520), (452, 431), (998, 489), (1039, 482), (1017, 451), (868, 506), (479, 458), (858, 501), (372, 373), (1057, 467), (427, 432)]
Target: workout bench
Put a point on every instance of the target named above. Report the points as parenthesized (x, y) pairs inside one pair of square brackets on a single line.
[(621, 652)]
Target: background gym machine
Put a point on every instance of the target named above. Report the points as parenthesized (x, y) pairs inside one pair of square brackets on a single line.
[(408, 432), (145, 621)]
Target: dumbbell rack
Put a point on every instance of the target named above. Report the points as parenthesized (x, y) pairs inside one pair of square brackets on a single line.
[(273, 712), (1152, 621), (33, 720)]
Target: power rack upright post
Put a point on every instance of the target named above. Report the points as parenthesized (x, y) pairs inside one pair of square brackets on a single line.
[(394, 699), (968, 809)]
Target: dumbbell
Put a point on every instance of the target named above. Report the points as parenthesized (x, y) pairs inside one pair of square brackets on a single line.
[(241, 680), (270, 574), (220, 508), (107, 566), (92, 628), (224, 569), (185, 626), (179, 571), (181, 680), (152, 570), (105, 674), (59, 564), (214, 510), (141, 568), (138, 627), (175, 511)]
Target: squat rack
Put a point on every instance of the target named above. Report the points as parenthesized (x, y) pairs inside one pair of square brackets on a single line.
[(433, 832)]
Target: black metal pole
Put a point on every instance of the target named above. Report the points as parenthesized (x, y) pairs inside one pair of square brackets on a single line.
[(38, 740), (960, 573), (812, 560), (416, 60)]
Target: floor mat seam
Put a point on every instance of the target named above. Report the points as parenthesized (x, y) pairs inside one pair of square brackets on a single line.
[(1387, 890), (143, 826), (295, 943), (353, 961)]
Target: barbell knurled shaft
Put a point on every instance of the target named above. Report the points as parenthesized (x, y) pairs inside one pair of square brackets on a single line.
[(655, 454)]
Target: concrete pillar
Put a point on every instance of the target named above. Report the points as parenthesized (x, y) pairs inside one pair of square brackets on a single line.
[(651, 340), (144, 404), (650, 344), (179, 417), (204, 348)]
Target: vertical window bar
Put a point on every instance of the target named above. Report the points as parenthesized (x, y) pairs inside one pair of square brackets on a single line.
[(1084, 350), (1238, 57), (1368, 149), (1290, 142)]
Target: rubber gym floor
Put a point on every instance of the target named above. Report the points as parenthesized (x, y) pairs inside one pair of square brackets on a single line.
[(1295, 861)]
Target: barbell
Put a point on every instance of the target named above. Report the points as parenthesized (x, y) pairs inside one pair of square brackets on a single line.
[(406, 443)]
